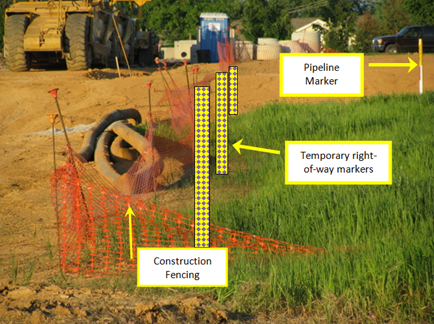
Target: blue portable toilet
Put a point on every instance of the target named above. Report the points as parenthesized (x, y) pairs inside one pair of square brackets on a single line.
[(213, 27)]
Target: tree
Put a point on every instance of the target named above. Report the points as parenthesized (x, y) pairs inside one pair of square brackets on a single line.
[(393, 16), (341, 18), (420, 11), (267, 18), (278, 24), (366, 29), (254, 15), (336, 37), (3, 5), (174, 20)]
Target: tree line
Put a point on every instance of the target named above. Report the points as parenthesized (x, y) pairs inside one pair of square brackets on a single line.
[(360, 20), (3, 5), (388, 17), (363, 20)]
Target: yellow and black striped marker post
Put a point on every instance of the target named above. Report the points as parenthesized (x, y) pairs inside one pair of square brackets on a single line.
[(221, 122), (233, 90), (201, 166)]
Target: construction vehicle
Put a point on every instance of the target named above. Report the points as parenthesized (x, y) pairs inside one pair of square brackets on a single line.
[(82, 33)]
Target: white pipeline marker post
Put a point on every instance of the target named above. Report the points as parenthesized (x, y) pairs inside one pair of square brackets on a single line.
[(322, 75), (182, 267), (344, 162), (420, 66)]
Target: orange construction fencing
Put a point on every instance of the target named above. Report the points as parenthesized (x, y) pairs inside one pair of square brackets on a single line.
[(226, 52), (93, 232)]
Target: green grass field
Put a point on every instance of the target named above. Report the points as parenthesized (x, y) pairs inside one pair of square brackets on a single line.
[(378, 264), (389, 271)]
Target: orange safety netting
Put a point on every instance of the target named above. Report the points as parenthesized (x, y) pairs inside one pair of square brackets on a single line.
[(226, 52), (181, 101), (93, 232)]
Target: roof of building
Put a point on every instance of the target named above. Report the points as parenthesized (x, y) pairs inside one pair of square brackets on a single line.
[(296, 23), (213, 15)]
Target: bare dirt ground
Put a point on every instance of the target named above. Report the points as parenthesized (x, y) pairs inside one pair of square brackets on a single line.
[(27, 220)]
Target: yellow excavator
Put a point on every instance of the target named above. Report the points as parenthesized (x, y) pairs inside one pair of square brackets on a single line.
[(80, 32)]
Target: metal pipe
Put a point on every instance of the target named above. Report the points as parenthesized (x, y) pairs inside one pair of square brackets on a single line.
[(151, 122), (52, 120), (186, 73), (54, 94)]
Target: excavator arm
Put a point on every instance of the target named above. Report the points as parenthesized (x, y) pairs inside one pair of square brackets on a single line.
[(139, 2)]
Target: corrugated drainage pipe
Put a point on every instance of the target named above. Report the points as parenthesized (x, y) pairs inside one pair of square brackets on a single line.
[(89, 143), (141, 177), (102, 158)]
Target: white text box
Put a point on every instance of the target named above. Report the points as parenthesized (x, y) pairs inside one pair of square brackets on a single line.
[(182, 267), (321, 75), (344, 162)]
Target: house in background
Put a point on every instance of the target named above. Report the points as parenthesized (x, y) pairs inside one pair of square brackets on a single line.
[(305, 32)]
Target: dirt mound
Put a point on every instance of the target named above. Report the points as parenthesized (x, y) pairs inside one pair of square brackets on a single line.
[(97, 74), (51, 304)]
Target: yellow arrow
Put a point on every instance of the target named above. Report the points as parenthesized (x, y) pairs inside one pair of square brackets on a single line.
[(238, 146), (130, 213), (411, 65)]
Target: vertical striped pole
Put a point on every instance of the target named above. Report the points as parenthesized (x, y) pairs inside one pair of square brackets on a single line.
[(420, 66), (233, 90), (221, 122), (201, 166)]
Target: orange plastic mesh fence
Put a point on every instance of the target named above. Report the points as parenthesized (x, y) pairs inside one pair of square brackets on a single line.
[(93, 232), (226, 54), (142, 174), (244, 51), (181, 101)]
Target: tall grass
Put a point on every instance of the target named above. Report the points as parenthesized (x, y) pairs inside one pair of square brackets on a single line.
[(389, 270), (378, 264)]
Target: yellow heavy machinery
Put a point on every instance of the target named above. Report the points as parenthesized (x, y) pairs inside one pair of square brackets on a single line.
[(80, 32)]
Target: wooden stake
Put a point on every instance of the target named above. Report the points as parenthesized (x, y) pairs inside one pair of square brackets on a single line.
[(117, 65)]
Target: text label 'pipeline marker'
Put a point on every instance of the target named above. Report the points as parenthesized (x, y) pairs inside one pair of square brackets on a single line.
[(321, 75)]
